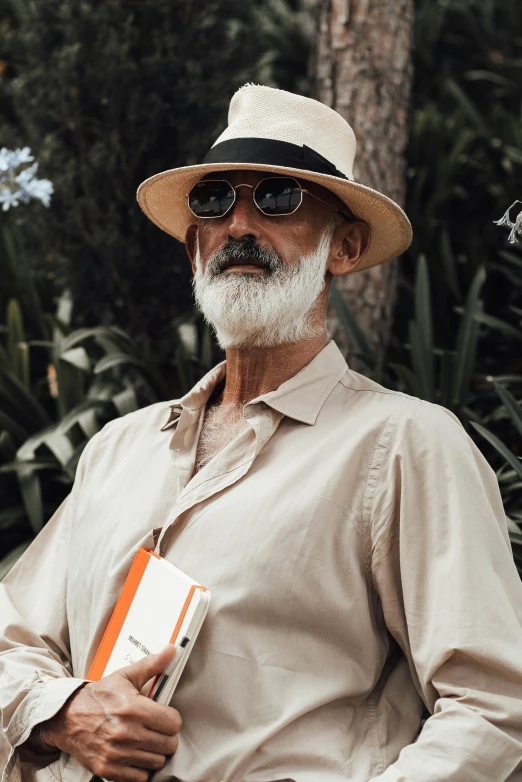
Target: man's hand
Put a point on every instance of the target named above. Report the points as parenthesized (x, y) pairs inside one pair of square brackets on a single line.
[(113, 730)]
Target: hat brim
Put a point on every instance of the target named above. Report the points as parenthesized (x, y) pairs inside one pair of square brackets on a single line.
[(163, 198)]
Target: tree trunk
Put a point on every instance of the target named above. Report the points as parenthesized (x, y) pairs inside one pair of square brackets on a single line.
[(362, 69)]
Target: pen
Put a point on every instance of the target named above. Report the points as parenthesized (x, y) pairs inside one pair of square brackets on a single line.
[(171, 667)]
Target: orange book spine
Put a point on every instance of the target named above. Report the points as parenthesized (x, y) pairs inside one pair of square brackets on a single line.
[(121, 609)]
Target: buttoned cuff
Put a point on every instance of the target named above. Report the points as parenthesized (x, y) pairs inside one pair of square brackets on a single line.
[(41, 703)]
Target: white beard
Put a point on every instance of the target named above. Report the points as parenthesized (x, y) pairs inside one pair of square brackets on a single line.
[(264, 310)]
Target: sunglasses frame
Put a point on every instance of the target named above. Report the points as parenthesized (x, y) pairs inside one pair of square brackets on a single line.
[(254, 188)]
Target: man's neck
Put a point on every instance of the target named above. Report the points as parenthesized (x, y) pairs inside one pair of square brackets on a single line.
[(255, 371)]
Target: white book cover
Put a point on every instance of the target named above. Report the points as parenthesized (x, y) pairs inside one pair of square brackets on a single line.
[(158, 605)]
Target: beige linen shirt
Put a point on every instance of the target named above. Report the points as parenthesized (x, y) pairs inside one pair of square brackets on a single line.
[(355, 545)]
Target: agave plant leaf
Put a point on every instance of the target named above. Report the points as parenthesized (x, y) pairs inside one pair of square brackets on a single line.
[(421, 332), (89, 423), (41, 463), (516, 538), (57, 443), (65, 477), (116, 335), (496, 323), (512, 406), (467, 106), (517, 557), (17, 400), (11, 559), (446, 376), (74, 416), (504, 379), (408, 378), (467, 340), (495, 78), (77, 357), (60, 445), (206, 348), (71, 386), (16, 347), (355, 334), (31, 491), (119, 359), (450, 264), (513, 527), (11, 516), (15, 429), (511, 257), (125, 401), (64, 309), (417, 360), (4, 359), (23, 365), (499, 446), (184, 366), (513, 154), (40, 343), (469, 414), (75, 338), (22, 277), (188, 336)]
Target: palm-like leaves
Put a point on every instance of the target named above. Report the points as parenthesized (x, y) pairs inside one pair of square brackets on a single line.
[(89, 377)]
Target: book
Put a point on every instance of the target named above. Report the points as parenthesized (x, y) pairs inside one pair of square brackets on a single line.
[(158, 605)]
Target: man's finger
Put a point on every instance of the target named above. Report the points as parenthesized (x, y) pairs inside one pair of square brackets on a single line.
[(160, 718), (157, 743), (144, 670), (142, 759)]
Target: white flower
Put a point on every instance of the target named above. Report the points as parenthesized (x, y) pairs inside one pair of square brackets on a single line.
[(18, 181), (516, 227), (9, 198), (504, 220), (40, 189)]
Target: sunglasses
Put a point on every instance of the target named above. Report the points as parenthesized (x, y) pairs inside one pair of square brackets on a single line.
[(273, 196)]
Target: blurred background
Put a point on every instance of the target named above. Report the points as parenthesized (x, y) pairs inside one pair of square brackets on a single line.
[(96, 312)]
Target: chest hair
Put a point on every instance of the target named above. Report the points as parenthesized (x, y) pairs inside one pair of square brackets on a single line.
[(221, 425)]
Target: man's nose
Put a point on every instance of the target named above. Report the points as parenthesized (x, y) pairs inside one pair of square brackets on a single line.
[(244, 219)]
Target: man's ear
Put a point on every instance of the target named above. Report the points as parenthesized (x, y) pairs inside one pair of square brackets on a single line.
[(190, 245), (349, 243)]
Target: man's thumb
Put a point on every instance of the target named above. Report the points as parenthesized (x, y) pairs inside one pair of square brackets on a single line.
[(141, 672)]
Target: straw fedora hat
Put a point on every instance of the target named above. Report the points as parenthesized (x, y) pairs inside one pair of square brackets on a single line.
[(277, 131)]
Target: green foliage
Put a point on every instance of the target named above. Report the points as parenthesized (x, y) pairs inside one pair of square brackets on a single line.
[(465, 169), (286, 27), (457, 338), (57, 390), (465, 153), (107, 94), (510, 473), (46, 420)]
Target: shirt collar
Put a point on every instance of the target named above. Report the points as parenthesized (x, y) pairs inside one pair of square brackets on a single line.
[(198, 396), (301, 397)]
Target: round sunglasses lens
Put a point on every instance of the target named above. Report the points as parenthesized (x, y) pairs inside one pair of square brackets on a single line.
[(278, 195), (210, 199)]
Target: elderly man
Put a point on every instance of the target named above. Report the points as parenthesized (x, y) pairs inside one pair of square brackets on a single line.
[(353, 538)]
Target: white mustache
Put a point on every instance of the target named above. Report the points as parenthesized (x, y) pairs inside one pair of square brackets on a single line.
[(246, 251)]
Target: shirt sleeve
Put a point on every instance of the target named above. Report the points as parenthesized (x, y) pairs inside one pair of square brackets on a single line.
[(451, 597), (36, 676)]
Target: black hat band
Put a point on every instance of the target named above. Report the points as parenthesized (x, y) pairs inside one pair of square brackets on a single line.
[(270, 152)]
